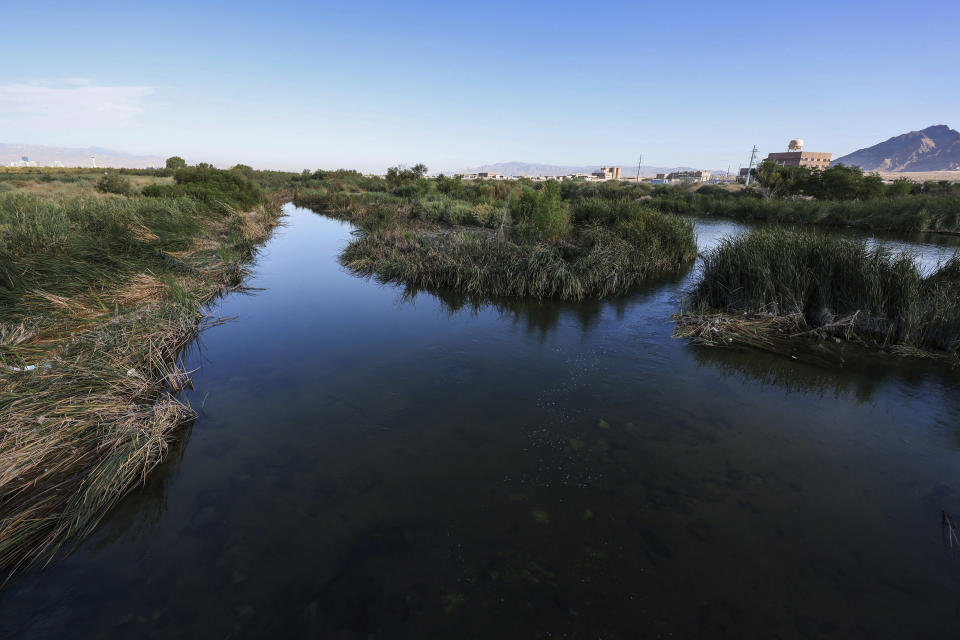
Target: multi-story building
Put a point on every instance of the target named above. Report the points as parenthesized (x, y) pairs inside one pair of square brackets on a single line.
[(24, 161), (795, 156), (681, 176), (607, 173)]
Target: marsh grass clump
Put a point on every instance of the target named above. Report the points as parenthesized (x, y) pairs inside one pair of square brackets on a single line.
[(98, 296), (591, 261), (803, 283), (489, 239)]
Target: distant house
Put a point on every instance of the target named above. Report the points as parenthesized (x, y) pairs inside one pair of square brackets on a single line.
[(489, 175), (682, 176), (607, 173)]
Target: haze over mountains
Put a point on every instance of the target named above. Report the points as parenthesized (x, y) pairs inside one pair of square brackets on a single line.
[(74, 157), (535, 169), (935, 148)]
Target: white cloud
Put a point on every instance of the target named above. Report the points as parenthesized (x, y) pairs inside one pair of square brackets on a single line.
[(79, 104)]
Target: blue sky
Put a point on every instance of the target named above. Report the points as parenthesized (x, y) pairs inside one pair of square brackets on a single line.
[(304, 85)]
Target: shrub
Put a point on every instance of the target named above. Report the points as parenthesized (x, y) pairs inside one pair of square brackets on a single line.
[(114, 183), (540, 213), (159, 191)]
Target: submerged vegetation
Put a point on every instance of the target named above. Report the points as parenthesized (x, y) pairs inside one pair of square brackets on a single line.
[(768, 287), (489, 239), (98, 296)]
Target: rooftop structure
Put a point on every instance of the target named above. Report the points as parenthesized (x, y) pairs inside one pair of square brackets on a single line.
[(795, 156), (607, 173), (681, 176)]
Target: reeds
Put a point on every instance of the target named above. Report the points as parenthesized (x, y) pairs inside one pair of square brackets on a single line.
[(490, 241), (826, 286), (939, 213), (97, 299), (594, 261)]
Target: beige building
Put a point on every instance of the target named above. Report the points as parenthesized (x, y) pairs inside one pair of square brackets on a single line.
[(795, 156), (682, 176), (607, 173), (489, 175)]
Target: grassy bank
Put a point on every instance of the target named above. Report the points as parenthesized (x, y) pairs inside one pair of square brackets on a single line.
[(769, 287), (496, 240), (906, 214), (98, 296)]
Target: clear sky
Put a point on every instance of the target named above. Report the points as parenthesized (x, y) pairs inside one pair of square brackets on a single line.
[(298, 85)]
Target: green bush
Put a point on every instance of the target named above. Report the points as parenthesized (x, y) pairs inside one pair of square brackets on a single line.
[(114, 183), (160, 191), (540, 213), (219, 189)]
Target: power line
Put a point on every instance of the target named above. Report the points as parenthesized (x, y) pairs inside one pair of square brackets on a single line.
[(753, 155)]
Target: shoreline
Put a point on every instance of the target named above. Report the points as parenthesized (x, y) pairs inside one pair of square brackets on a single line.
[(99, 409)]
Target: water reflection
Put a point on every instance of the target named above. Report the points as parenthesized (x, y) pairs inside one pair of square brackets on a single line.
[(541, 317)]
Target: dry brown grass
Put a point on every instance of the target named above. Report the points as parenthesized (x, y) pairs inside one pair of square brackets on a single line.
[(87, 384), (921, 176)]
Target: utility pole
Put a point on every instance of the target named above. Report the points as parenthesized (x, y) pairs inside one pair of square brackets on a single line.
[(753, 155), (639, 162)]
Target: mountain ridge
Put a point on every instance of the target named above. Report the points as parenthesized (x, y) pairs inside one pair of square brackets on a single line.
[(76, 156), (936, 148)]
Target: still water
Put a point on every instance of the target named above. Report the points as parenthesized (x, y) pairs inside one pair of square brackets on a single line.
[(371, 464)]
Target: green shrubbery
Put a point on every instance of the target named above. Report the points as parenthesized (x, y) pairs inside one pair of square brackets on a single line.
[(441, 208), (839, 196), (114, 183), (911, 213), (838, 182), (540, 213), (440, 233), (214, 187)]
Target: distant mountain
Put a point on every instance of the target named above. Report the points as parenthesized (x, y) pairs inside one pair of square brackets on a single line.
[(73, 157), (935, 148), (533, 169)]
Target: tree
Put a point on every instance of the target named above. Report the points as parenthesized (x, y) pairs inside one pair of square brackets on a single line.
[(407, 182), (776, 181), (244, 169), (176, 162)]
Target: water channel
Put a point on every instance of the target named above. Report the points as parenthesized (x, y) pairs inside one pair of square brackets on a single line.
[(371, 463)]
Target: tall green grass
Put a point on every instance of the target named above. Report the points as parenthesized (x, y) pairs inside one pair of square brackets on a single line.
[(492, 240), (594, 261), (98, 296), (875, 295)]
